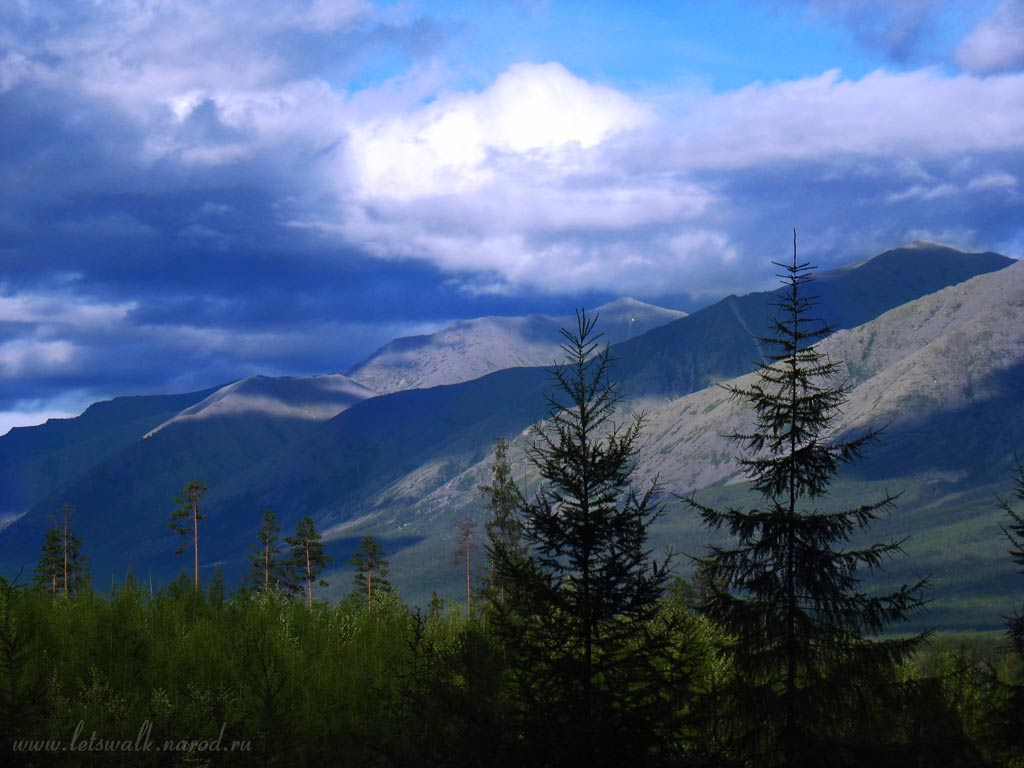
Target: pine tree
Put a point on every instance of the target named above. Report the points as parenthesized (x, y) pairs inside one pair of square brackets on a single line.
[(371, 569), (1013, 530), (577, 624), (266, 571), (804, 634), (185, 522), (503, 527), (62, 566), (308, 559)]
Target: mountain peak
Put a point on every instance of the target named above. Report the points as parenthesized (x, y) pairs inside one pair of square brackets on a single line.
[(305, 398)]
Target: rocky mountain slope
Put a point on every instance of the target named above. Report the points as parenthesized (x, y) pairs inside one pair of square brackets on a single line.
[(470, 349)]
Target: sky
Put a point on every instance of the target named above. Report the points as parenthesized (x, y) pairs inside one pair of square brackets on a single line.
[(194, 191)]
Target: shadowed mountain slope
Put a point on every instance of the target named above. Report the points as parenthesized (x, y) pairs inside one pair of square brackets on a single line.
[(36, 462)]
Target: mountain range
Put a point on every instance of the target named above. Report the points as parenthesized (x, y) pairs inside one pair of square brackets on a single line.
[(932, 342)]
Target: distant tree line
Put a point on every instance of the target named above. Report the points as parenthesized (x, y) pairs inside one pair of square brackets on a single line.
[(575, 645)]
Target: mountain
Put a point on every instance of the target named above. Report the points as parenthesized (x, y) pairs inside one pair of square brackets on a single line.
[(36, 462), (942, 375), (720, 341), (286, 398), (405, 465), (214, 438), (469, 349)]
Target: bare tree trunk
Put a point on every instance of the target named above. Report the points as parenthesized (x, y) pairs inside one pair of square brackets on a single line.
[(195, 542), (309, 578), (469, 590), (65, 553)]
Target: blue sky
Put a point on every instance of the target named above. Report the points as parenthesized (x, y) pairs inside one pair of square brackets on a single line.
[(195, 191)]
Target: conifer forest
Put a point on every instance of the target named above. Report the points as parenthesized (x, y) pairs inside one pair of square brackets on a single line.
[(575, 644)]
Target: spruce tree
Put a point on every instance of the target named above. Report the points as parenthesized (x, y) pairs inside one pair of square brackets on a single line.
[(266, 571), (62, 566), (589, 664), (503, 527), (788, 588), (1013, 530), (308, 558), (185, 522), (371, 566)]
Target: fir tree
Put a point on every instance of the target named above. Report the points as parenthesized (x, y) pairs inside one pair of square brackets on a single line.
[(185, 522), (308, 559), (1013, 530), (589, 664), (371, 569), (503, 527), (788, 589), (62, 566), (266, 571)]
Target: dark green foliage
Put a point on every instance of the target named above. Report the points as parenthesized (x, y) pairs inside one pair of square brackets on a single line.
[(1013, 530), (454, 706), (22, 684), (49, 573), (589, 663), (185, 522), (805, 646), (370, 579), (308, 558), (267, 571)]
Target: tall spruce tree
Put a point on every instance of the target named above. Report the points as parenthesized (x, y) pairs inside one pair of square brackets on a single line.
[(589, 664), (1013, 530), (185, 522), (62, 566), (788, 590), (371, 565), (308, 558), (266, 570)]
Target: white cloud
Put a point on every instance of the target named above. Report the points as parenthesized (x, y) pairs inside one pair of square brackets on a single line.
[(459, 143), (918, 114), (997, 180), (28, 357), (60, 309), (996, 44)]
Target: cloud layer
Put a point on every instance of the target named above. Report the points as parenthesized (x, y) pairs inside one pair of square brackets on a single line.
[(197, 191)]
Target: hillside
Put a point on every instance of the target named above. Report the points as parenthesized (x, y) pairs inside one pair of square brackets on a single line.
[(469, 349), (36, 462), (403, 466)]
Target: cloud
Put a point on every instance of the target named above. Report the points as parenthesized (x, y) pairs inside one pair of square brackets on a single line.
[(996, 44), (899, 29), (197, 191), (561, 212), (459, 142)]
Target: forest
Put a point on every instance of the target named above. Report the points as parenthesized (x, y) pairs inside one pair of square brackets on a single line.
[(575, 645)]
